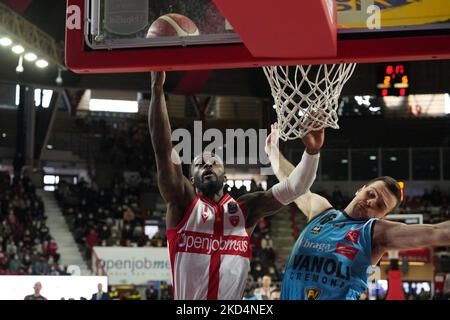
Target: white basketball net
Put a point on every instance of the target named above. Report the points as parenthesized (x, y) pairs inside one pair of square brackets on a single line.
[(306, 97)]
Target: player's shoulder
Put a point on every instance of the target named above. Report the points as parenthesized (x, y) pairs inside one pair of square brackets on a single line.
[(381, 227)]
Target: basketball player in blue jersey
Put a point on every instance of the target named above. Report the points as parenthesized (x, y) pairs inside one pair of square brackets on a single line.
[(330, 259)]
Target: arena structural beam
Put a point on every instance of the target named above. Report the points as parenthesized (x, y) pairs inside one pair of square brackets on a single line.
[(29, 35)]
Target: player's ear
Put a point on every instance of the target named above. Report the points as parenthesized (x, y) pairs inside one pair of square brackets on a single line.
[(192, 180), (225, 179)]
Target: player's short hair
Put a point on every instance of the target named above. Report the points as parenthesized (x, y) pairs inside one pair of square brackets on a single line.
[(392, 185)]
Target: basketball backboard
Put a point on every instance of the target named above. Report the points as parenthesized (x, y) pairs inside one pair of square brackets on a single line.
[(110, 35)]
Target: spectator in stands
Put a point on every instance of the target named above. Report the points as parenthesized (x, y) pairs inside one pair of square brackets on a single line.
[(257, 272), (444, 211), (133, 294), (438, 295), (43, 232), (11, 248), (241, 191), (113, 238), (267, 253), (14, 264), (273, 273), (266, 242), (166, 295), (37, 293), (266, 288), (100, 294), (426, 197), (127, 233), (436, 196), (337, 198), (54, 270), (249, 293), (104, 233), (63, 271), (128, 215), (41, 267), (364, 296), (28, 238), (3, 262), (158, 240), (151, 293), (90, 242), (52, 250), (114, 294), (275, 294), (264, 226)]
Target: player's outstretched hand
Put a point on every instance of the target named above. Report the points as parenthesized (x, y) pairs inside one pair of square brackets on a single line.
[(313, 141), (158, 79), (272, 139)]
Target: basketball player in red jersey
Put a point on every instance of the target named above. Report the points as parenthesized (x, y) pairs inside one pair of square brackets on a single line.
[(209, 232)]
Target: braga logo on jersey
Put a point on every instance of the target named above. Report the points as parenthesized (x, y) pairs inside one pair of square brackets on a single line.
[(352, 236), (346, 251), (312, 294), (317, 246)]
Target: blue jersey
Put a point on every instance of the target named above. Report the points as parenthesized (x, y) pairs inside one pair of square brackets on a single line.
[(330, 259)]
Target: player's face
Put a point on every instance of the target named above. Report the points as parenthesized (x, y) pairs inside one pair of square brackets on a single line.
[(208, 173), (373, 201)]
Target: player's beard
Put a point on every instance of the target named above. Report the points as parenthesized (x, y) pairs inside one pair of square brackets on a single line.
[(209, 187)]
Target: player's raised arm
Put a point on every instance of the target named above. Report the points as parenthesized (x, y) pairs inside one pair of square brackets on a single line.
[(389, 235), (176, 189), (297, 183), (310, 204)]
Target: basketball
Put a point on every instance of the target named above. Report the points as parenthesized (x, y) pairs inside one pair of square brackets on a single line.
[(172, 24)]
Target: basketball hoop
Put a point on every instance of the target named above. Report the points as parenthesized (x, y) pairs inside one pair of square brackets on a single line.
[(306, 97)]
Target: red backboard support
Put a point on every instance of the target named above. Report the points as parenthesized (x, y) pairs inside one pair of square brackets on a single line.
[(256, 50), (273, 31)]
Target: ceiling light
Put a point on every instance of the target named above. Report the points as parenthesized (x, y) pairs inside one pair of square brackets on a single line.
[(18, 49), (5, 42), (41, 63), (30, 56)]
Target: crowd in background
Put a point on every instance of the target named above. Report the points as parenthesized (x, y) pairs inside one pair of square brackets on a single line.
[(105, 217), (26, 245)]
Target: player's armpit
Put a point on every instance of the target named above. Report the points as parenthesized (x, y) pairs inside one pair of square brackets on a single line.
[(259, 205), (311, 204)]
